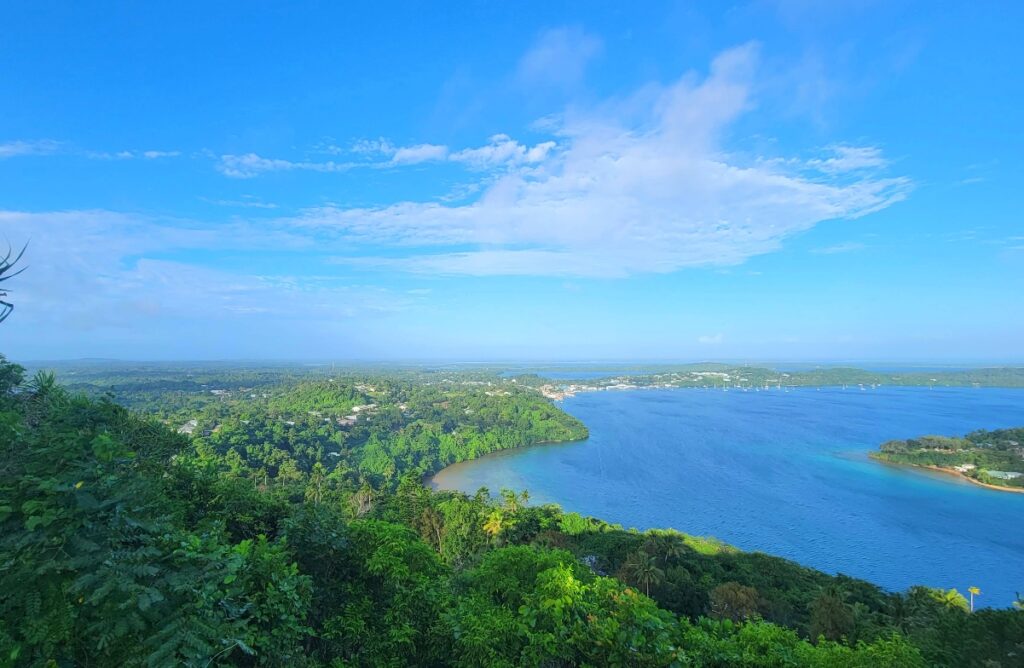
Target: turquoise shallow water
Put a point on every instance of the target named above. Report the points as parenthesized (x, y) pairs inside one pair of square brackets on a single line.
[(786, 473)]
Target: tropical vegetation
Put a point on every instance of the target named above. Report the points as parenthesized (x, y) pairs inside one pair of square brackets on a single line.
[(275, 529)]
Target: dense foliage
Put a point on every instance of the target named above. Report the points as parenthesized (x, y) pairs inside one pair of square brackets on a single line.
[(279, 532), (990, 457)]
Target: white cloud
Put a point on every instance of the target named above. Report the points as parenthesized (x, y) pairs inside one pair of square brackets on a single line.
[(850, 159), (710, 340), (96, 269), (246, 201), (411, 155), (845, 247), (502, 150), (491, 263), (249, 165), (369, 147), (637, 185), (49, 147), (109, 155), (153, 155), (642, 185), (559, 57), (386, 154), (13, 149)]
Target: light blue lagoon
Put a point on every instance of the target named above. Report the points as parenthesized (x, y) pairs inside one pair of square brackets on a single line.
[(787, 473)]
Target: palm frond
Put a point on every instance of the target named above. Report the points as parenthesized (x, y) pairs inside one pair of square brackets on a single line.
[(7, 263)]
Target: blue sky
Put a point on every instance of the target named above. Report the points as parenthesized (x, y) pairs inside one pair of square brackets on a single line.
[(480, 180)]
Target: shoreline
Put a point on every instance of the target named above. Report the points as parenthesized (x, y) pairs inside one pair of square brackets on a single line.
[(429, 482), (427, 479), (558, 393), (940, 469)]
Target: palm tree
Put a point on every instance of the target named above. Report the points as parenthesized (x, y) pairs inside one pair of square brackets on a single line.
[(315, 488), (900, 612), (362, 501), (510, 500), (951, 599), (974, 592), (667, 548), (495, 524), (431, 526), (831, 616), (642, 569), (731, 600)]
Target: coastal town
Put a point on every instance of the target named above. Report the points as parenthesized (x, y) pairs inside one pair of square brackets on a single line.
[(705, 379)]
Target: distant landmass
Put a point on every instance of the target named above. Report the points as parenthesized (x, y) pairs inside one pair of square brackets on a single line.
[(561, 382)]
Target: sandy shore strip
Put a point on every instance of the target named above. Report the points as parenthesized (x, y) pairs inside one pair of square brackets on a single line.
[(1015, 490)]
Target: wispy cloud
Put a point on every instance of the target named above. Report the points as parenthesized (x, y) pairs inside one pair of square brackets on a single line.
[(246, 201), (710, 339), (50, 147), (17, 148), (845, 247), (108, 155), (380, 146), (413, 155), (156, 155), (381, 153), (248, 165), (502, 150), (559, 57), (95, 269), (130, 155), (850, 159)]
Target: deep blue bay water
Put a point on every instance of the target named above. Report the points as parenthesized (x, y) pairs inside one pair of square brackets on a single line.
[(787, 473)]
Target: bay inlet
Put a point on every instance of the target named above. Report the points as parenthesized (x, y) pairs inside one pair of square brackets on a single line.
[(786, 473)]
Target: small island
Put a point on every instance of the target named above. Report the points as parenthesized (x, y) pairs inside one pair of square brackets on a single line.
[(993, 459)]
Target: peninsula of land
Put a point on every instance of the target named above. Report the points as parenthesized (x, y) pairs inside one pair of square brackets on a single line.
[(992, 459)]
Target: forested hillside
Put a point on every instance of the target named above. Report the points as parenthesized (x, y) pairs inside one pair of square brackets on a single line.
[(283, 521)]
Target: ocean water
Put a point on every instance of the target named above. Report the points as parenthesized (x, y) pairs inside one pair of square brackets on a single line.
[(787, 473)]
